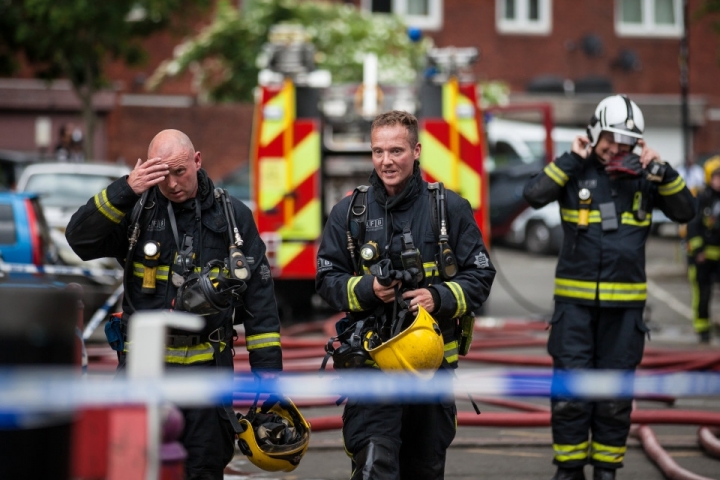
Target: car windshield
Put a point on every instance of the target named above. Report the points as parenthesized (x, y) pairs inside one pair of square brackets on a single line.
[(67, 190)]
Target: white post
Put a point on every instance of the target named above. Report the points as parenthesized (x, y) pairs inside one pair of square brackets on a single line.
[(146, 360), (370, 66)]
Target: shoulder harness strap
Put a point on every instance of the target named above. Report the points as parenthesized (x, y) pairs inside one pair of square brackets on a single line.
[(356, 218)]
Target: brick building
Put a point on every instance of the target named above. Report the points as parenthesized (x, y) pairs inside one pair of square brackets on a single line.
[(570, 53)]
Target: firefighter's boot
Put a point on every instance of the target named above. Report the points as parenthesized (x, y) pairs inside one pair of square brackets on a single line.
[(569, 474), (603, 473)]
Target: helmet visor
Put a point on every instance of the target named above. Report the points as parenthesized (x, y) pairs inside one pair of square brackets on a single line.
[(625, 139)]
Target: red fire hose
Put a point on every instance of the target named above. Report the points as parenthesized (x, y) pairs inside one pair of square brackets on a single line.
[(658, 455)]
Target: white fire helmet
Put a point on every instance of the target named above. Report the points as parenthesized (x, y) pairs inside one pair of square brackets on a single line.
[(619, 115)]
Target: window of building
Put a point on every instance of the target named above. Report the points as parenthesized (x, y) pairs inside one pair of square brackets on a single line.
[(425, 14), (533, 17), (649, 18)]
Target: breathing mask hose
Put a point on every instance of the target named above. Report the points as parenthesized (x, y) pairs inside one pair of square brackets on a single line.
[(237, 263), (447, 261), (132, 243)]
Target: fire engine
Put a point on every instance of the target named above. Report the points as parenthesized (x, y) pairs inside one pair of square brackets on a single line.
[(311, 146)]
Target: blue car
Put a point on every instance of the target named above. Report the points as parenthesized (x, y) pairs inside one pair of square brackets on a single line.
[(24, 234)]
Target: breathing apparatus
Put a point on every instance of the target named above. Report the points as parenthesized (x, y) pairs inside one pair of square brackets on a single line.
[(220, 284)]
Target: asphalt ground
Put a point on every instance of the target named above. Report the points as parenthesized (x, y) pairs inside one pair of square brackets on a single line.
[(523, 292)]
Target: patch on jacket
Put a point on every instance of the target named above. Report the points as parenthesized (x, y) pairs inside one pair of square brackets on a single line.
[(589, 183), (374, 224), (481, 260), (323, 264), (156, 225), (264, 273)]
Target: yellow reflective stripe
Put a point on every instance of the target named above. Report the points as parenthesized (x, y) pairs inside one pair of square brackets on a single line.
[(628, 218), (712, 252), (565, 453), (557, 175), (695, 243), (575, 288), (161, 274), (673, 187), (202, 352), (262, 340), (353, 302), (451, 351), (431, 269), (106, 208), (701, 324), (459, 295), (607, 453), (627, 292), (571, 216)]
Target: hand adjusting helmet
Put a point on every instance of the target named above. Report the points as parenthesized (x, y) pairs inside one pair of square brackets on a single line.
[(209, 291), (276, 435), (619, 115), (419, 349)]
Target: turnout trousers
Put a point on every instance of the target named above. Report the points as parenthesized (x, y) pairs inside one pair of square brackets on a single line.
[(208, 436), (585, 337), (702, 276), (398, 441)]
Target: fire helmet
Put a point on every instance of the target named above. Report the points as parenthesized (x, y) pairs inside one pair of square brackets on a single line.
[(619, 115), (276, 435), (419, 349), (712, 165)]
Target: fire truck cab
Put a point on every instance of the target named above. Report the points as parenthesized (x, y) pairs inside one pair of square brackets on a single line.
[(311, 147)]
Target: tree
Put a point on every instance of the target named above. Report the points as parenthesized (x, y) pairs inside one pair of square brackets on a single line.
[(224, 56), (76, 39)]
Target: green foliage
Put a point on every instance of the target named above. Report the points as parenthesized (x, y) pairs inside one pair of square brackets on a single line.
[(76, 39), (224, 56)]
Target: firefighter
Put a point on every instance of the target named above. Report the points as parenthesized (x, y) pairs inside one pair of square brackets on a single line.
[(178, 258), (606, 195), (703, 245), (391, 440)]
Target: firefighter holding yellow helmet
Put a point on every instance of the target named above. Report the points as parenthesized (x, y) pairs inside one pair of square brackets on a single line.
[(409, 277)]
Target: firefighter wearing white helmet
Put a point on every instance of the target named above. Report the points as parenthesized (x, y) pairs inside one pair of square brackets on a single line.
[(607, 194), (407, 290)]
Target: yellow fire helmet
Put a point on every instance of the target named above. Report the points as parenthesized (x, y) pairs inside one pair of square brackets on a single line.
[(276, 435), (419, 349), (712, 165)]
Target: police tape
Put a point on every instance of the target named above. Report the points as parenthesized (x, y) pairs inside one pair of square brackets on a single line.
[(30, 390), (59, 270)]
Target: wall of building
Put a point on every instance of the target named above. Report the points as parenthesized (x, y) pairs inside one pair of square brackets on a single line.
[(220, 132)]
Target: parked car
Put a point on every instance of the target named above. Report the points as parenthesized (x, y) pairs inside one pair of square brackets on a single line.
[(24, 233), (537, 231), (63, 188), (516, 152)]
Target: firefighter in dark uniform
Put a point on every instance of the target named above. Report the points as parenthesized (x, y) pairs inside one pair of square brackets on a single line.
[(183, 228), (703, 244), (606, 196), (390, 440)]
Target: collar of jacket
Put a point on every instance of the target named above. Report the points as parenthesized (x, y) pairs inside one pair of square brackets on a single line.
[(402, 200)]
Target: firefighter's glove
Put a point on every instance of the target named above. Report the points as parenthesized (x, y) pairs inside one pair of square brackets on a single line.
[(624, 165), (384, 272)]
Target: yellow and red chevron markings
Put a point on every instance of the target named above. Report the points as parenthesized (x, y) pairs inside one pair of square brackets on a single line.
[(452, 148), (286, 174)]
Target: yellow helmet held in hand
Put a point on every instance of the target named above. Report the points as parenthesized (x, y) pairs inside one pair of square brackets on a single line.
[(419, 349), (276, 435), (711, 166)]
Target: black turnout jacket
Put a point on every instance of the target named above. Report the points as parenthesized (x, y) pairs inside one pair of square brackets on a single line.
[(602, 265), (100, 229), (337, 283)]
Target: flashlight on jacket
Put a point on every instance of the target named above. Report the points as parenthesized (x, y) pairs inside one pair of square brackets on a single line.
[(152, 254), (584, 211), (369, 251)]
